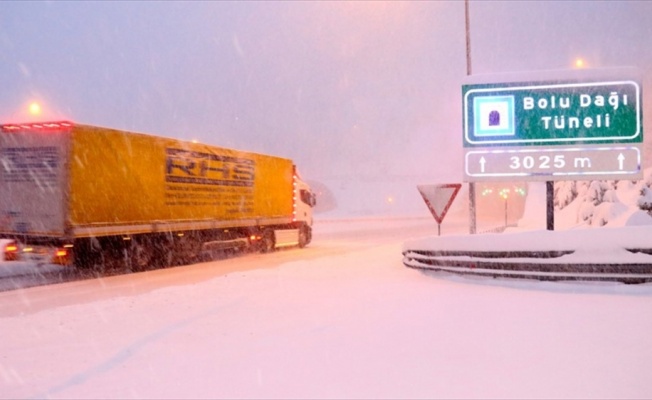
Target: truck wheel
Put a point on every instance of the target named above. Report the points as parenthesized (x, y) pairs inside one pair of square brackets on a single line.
[(187, 249), (267, 244), (305, 236), (139, 257), (87, 254)]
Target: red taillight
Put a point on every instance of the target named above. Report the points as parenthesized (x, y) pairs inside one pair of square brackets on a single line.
[(11, 252), (38, 127), (63, 255)]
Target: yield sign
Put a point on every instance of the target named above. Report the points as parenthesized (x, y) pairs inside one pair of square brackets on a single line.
[(439, 198)]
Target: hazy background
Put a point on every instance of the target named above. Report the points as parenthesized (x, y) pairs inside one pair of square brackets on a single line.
[(352, 91)]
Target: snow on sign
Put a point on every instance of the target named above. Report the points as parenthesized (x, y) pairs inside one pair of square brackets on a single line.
[(439, 198)]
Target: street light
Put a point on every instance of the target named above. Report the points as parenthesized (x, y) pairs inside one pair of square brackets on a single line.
[(35, 108), (504, 194), (579, 63), (467, 31)]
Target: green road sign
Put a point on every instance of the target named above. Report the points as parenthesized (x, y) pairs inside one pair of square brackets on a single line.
[(552, 113)]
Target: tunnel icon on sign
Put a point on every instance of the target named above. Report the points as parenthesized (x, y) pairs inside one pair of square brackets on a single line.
[(494, 118)]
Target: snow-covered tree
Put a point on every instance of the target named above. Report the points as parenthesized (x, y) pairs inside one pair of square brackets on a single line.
[(565, 193), (595, 193), (599, 201), (645, 201)]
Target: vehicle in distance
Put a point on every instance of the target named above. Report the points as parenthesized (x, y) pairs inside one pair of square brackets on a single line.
[(8, 250), (83, 195)]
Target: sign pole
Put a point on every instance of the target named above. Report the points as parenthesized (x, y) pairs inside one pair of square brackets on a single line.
[(550, 205), (467, 23)]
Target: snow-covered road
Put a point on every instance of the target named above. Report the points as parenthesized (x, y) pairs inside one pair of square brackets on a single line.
[(341, 319)]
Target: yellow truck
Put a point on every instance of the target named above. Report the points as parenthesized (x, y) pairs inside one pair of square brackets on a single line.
[(83, 195)]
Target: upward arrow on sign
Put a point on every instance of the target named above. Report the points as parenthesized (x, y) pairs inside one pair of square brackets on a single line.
[(439, 198)]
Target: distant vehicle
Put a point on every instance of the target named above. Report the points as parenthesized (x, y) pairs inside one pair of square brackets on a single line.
[(8, 250), (82, 195)]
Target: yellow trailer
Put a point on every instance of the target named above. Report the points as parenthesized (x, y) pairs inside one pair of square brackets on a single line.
[(90, 194)]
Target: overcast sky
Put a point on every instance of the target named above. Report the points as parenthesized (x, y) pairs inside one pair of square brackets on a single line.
[(367, 89)]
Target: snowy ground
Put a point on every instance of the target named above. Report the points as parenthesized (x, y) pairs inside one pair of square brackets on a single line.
[(341, 319)]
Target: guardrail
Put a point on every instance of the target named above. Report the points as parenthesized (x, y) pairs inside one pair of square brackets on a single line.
[(542, 265)]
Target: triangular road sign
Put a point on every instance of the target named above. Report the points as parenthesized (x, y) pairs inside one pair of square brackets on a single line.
[(439, 198)]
